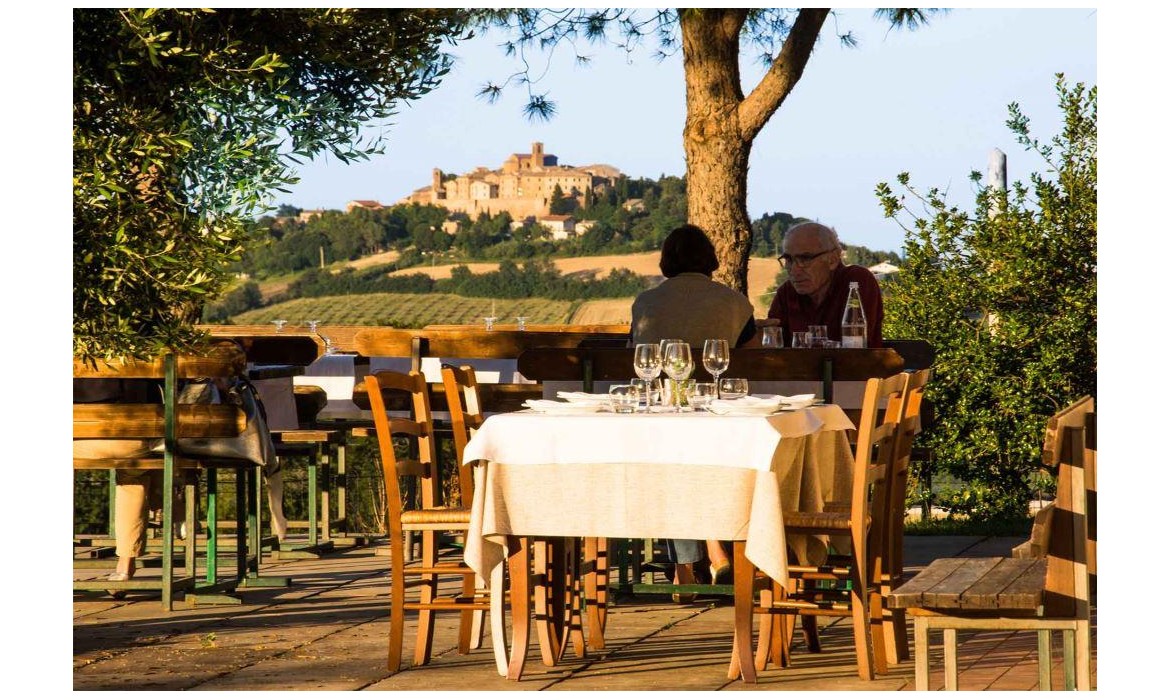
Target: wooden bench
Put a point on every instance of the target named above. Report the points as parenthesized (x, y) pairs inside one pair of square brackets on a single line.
[(168, 421), (1043, 594)]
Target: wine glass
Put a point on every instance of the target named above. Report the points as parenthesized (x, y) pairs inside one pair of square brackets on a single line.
[(312, 326), (279, 324), (716, 357), (678, 365), (521, 323), (817, 335), (647, 364), (733, 388)]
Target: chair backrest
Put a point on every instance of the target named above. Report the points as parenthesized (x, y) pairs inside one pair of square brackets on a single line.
[(872, 460), (1070, 446), (466, 416), (418, 430)]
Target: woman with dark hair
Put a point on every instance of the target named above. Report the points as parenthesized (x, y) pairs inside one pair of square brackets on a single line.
[(689, 305)]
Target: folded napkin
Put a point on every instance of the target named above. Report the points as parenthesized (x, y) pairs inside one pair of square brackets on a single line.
[(583, 397), (545, 405), (746, 404), (798, 401)]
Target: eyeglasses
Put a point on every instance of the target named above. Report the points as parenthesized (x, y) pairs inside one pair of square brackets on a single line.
[(803, 259)]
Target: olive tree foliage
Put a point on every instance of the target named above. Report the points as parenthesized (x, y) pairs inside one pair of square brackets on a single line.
[(1008, 297), (186, 121), (722, 121)]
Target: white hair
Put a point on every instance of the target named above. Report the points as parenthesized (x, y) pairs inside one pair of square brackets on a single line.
[(826, 234)]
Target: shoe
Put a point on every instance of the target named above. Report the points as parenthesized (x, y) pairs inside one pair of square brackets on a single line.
[(721, 574), (118, 576)]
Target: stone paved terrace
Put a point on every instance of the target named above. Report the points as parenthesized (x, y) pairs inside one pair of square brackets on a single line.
[(328, 632)]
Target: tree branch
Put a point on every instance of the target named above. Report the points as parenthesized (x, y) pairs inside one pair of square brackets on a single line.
[(759, 106)]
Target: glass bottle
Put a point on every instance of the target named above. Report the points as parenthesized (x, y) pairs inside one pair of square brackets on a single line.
[(853, 321)]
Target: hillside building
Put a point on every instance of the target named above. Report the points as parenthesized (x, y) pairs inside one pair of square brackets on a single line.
[(523, 186)]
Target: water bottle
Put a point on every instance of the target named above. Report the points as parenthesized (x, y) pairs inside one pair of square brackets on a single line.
[(853, 321)]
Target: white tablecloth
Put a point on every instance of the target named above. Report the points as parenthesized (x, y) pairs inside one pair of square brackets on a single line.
[(334, 374), (690, 476)]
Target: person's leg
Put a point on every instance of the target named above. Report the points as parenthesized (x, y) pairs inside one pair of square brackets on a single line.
[(684, 554), (720, 564), (129, 519)]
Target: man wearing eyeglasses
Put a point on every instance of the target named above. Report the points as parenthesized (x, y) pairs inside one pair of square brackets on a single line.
[(818, 285)]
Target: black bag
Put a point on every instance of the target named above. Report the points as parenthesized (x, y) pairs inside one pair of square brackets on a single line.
[(254, 444)]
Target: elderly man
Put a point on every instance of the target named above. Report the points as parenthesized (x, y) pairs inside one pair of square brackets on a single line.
[(818, 285)]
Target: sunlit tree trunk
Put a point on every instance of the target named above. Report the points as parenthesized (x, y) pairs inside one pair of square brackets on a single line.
[(722, 124)]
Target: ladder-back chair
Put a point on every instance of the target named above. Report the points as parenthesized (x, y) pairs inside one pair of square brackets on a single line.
[(431, 518), (864, 526)]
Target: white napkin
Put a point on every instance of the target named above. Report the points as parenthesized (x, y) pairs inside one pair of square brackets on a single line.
[(583, 397), (750, 403), (798, 401), (548, 405)]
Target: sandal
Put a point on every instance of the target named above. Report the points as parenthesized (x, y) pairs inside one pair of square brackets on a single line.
[(118, 594)]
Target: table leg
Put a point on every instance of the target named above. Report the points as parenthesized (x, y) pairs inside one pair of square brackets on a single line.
[(574, 630), (745, 573), (496, 613), (544, 596), (519, 568), (596, 584)]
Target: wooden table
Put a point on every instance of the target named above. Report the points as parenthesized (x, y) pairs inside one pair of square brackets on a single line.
[(684, 476)]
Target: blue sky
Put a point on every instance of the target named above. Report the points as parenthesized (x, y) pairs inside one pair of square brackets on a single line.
[(932, 102)]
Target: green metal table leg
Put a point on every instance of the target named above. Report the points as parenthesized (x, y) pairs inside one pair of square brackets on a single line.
[(170, 392), (189, 550), (341, 516), (312, 487), (211, 574)]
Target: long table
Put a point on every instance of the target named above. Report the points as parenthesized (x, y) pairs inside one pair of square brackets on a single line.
[(685, 475)]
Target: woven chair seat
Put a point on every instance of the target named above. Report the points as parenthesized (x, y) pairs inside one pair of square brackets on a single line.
[(437, 516), (820, 521)]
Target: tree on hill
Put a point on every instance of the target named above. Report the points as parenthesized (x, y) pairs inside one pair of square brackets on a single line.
[(561, 203), (186, 121), (1008, 297), (721, 122)]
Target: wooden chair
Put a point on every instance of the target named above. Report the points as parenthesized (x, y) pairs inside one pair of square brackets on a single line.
[(865, 527), (908, 415), (466, 417), (555, 604), (429, 520), (905, 412), (1019, 593)]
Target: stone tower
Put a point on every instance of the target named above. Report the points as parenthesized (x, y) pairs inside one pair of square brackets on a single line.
[(537, 160), (437, 183)]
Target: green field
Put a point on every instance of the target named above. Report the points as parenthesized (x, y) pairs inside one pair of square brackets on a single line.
[(410, 310)]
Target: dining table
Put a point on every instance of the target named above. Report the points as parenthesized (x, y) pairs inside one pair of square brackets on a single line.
[(686, 475)]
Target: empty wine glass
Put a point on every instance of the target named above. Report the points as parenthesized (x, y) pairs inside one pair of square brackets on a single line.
[(716, 357), (521, 323), (733, 388), (489, 322), (280, 324), (312, 326), (678, 365), (817, 335), (647, 363)]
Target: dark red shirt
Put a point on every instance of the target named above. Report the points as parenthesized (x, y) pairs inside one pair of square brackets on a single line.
[(796, 311)]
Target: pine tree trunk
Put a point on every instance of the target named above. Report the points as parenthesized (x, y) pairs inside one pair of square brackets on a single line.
[(716, 151), (721, 125)]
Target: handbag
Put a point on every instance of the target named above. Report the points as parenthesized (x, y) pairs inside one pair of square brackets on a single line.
[(253, 444)]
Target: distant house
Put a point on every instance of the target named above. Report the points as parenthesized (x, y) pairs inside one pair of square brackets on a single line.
[(582, 227), (634, 205), (370, 204), (450, 226), (883, 269), (308, 215), (561, 225)]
